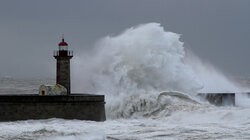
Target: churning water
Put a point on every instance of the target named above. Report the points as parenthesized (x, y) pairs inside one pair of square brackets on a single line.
[(150, 81)]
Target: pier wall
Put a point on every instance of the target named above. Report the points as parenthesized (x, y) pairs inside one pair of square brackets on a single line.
[(219, 99), (24, 107)]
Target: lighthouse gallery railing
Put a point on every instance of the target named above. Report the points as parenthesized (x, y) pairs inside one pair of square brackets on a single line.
[(63, 53)]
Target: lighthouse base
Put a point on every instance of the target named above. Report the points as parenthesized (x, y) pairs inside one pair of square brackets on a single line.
[(74, 106)]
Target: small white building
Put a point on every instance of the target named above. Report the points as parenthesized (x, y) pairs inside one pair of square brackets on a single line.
[(52, 90)]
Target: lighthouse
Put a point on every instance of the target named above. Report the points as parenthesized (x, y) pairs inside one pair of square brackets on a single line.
[(63, 56)]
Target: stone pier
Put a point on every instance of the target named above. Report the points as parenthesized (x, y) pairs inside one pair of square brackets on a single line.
[(219, 99), (74, 106)]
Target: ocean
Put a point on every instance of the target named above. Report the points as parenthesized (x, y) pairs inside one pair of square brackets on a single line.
[(150, 81), (159, 117)]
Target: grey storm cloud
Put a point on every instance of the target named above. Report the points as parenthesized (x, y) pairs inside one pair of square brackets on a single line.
[(217, 31)]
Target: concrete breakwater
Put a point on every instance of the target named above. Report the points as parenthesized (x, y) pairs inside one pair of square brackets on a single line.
[(219, 99), (33, 106)]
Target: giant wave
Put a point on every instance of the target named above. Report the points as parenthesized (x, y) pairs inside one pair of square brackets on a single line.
[(133, 69)]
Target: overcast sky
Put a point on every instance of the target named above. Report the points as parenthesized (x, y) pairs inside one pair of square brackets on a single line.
[(218, 31)]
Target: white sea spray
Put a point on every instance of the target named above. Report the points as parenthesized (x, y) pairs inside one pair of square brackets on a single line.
[(134, 67)]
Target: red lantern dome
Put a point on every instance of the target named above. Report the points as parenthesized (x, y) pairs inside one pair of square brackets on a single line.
[(63, 43)]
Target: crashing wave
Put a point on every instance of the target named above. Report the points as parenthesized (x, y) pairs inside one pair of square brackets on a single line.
[(150, 105), (132, 67)]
